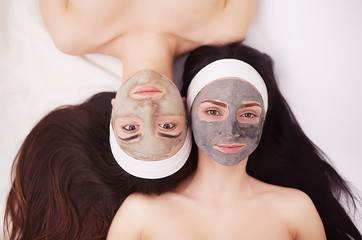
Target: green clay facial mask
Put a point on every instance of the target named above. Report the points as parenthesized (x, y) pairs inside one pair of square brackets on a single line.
[(227, 120), (149, 117)]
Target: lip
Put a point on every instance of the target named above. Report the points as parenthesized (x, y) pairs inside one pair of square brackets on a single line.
[(147, 90), (229, 148)]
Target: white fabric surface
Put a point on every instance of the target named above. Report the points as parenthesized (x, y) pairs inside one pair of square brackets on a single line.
[(316, 46)]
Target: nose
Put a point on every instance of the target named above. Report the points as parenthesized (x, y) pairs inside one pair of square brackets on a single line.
[(147, 104), (231, 129), (154, 105)]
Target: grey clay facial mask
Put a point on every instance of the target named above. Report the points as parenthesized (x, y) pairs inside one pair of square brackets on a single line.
[(229, 141), (150, 146)]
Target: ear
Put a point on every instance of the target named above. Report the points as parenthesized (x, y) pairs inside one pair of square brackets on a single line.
[(112, 102)]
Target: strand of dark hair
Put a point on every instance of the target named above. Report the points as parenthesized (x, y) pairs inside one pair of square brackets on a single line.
[(66, 183)]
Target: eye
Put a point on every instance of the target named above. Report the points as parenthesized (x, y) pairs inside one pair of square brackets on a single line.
[(131, 128), (167, 126), (248, 115), (212, 112)]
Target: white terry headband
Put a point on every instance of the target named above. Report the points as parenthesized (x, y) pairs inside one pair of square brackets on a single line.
[(226, 68), (150, 169)]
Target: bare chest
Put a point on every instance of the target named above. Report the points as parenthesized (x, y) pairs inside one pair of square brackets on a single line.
[(171, 16), (112, 24), (124, 16), (208, 223)]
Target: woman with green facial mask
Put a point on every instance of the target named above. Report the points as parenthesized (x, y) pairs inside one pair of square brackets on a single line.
[(257, 177), (149, 136)]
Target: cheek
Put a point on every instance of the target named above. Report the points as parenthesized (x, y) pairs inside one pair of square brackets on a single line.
[(249, 131), (252, 135), (171, 104), (126, 107), (204, 132)]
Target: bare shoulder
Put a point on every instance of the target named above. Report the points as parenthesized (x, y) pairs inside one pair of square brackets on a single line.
[(130, 217), (296, 208), (136, 205), (289, 197), (138, 214)]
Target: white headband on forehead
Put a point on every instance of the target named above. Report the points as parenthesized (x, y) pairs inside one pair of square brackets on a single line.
[(150, 169), (226, 68)]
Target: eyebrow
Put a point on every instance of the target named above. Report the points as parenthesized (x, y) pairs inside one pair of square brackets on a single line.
[(221, 104), (250, 105), (130, 138), (169, 135)]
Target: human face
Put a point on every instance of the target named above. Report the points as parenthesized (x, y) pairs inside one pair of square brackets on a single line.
[(227, 125), (149, 117)]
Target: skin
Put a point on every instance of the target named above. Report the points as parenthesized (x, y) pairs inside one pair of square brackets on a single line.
[(228, 126), (219, 202), (149, 117), (144, 34)]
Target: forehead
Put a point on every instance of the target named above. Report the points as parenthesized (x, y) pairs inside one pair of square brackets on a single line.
[(230, 90)]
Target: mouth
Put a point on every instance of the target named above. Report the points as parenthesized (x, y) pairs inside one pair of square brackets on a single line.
[(229, 148), (147, 91)]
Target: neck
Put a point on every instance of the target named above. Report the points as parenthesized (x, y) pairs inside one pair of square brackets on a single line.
[(214, 182), (144, 52)]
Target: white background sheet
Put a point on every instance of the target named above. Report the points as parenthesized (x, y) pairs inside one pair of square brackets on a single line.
[(316, 46)]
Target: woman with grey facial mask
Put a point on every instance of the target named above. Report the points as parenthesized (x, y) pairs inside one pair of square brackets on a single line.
[(257, 177)]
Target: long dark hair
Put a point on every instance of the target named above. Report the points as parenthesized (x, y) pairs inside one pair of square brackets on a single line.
[(285, 155), (66, 183)]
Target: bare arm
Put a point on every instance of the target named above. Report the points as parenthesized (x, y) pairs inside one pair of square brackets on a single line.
[(235, 20), (81, 26), (59, 19)]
